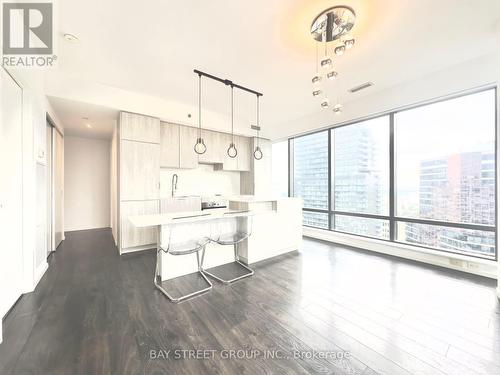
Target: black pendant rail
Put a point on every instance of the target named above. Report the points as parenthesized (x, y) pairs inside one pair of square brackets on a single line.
[(232, 152), (227, 82)]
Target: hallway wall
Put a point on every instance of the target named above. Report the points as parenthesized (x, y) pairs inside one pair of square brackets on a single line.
[(87, 183)]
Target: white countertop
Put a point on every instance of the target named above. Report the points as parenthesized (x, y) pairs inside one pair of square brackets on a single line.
[(141, 221), (254, 198)]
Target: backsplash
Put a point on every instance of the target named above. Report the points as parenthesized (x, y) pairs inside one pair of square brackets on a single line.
[(200, 181)]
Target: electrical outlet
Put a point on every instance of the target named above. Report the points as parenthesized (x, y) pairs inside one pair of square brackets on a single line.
[(472, 266), (457, 263)]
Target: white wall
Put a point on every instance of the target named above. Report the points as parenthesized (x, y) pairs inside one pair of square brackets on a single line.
[(200, 181), (87, 183), (463, 76)]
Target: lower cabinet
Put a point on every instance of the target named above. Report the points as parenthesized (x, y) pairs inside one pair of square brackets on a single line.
[(131, 236)]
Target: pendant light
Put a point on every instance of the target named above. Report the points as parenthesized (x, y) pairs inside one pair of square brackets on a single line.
[(199, 146), (257, 154), (232, 151)]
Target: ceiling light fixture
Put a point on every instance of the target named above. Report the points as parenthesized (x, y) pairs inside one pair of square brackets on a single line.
[(339, 50), (71, 38), (332, 25), (317, 92), (332, 74), (199, 146), (87, 123), (257, 154), (232, 151)]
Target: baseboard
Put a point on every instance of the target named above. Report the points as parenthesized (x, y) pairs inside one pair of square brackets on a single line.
[(86, 229), (136, 249), (39, 272), (457, 262)]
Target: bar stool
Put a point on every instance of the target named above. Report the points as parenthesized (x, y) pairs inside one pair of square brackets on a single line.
[(175, 246), (232, 231)]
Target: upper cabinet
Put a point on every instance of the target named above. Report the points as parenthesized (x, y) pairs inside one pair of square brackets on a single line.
[(245, 153), (170, 145), (177, 149), (140, 128), (215, 146), (187, 138)]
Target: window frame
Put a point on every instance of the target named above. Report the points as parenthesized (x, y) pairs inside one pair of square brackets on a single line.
[(391, 217)]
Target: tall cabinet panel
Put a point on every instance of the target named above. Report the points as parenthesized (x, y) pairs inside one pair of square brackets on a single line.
[(139, 176), (169, 148), (140, 171)]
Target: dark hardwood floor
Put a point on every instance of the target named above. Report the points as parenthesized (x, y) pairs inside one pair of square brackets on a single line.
[(96, 313)]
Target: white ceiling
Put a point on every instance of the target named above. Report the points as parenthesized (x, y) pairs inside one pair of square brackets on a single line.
[(152, 47), (72, 114)]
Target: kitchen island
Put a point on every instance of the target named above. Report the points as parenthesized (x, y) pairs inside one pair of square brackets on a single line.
[(276, 229)]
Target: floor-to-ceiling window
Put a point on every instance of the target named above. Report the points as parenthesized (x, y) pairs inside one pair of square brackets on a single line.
[(445, 174), (310, 177), (360, 176), (424, 176)]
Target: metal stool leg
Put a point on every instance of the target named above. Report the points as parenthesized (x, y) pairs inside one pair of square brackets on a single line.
[(157, 279), (237, 261)]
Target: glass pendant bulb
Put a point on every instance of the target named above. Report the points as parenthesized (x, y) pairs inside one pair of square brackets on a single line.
[(200, 146), (332, 74), (349, 42), (339, 50), (316, 92), (326, 62), (337, 108), (316, 80), (232, 152), (257, 154), (325, 102)]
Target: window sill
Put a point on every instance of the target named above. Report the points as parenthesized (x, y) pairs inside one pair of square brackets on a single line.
[(476, 266)]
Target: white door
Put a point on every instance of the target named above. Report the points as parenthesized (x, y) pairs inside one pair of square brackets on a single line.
[(11, 255), (58, 189)]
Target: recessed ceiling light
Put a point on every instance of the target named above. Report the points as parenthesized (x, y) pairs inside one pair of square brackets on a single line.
[(88, 126), (71, 38)]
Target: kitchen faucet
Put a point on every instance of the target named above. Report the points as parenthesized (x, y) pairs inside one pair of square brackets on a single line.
[(174, 183)]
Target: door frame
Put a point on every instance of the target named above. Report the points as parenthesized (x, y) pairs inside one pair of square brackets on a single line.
[(50, 186)]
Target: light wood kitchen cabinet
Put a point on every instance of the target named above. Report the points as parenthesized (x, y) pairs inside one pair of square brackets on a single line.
[(187, 139), (140, 128), (139, 170), (216, 146), (228, 163), (131, 236), (245, 153), (169, 145)]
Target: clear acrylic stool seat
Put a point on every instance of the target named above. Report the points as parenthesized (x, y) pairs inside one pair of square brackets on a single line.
[(238, 232)]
